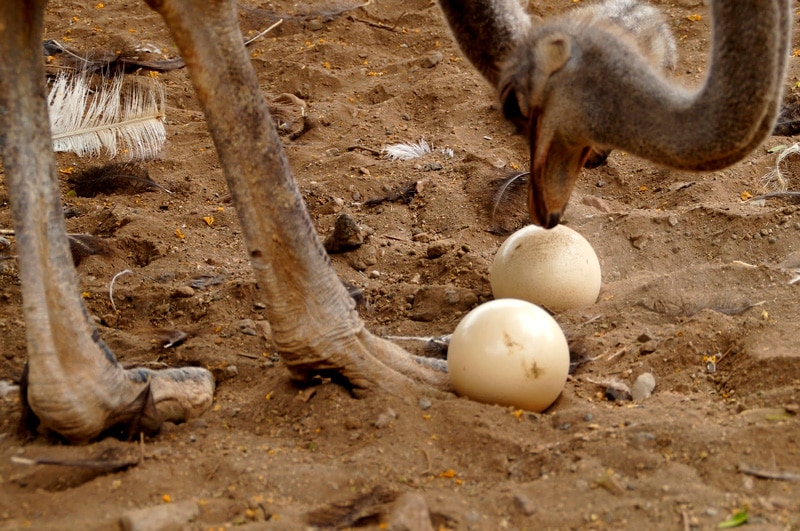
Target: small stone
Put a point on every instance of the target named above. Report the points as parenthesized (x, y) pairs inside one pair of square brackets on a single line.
[(374, 274), (346, 236), (352, 423), (440, 247), (431, 60), (425, 403), (672, 220), (183, 292), (163, 517), (422, 237), (231, 371), (385, 418), (433, 302), (648, 347), (410, 513), (432, 166), (247, 327), (315, 24), (525, 504), (643, 387)]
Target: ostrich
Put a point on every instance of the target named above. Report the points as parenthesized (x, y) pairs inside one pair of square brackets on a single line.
[(581, 81), (566, 77)]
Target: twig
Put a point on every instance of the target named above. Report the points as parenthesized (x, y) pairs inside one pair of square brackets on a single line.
[(370, 150), (381, 25), (686, 521), (93, 464), (7, 232), (397, 238), (593, 319), (772, 195), (618, 353), (111, 287), (248, 356), (261, 34), (769, 474), (430, 464)]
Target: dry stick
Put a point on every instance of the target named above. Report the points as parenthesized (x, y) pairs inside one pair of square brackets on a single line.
[(381, 25), (111, 287), (769, 474), (772, 195), (686, 521), (369, 150), (92, 464), (7, 232), (261, 34)]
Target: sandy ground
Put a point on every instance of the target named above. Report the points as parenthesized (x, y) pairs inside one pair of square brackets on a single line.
[(691, 274)]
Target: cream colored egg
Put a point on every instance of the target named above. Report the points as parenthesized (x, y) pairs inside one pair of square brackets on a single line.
[(509, 352), (555, 268)]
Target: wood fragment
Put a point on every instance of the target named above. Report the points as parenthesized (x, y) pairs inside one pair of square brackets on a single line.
[(777, 475)]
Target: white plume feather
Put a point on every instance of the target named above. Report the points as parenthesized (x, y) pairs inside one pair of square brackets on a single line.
[(109, 119)]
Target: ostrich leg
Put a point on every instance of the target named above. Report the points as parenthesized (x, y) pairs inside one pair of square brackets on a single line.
[(315, 326), (75, 387)]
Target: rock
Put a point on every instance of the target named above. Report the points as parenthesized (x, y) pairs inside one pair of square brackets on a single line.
[(247, 327), (183, 292), (433, 302), (440, 247), (165, 517), (525, 504), (363, 257), (648, 347), (410, 513), (431, 60), (425, 403), (346, 235), (422, 237), (385, 418), (643, 387)]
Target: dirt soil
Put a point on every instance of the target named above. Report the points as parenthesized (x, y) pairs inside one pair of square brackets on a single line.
[(697, 290)]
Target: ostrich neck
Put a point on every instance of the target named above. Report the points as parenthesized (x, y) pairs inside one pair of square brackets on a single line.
[(708, 128)]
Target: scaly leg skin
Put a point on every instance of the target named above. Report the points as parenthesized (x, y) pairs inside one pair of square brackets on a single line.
[(75, 387), (315, 326)]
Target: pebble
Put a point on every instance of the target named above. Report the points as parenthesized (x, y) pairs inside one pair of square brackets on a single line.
[(433, 302), (525, 504), (422, 237), (643, 387), (440, 247), (410, 513), (385, 418), (431, 60), (425, 403), (183, 292), (247, 327), (231, 371), (345, 236), (162, 517)]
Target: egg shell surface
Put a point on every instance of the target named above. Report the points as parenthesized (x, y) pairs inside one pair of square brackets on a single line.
[(509, 352), (555, 268)]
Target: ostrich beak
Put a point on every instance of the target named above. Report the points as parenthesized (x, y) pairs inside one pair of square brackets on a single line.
[(555, 166)]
